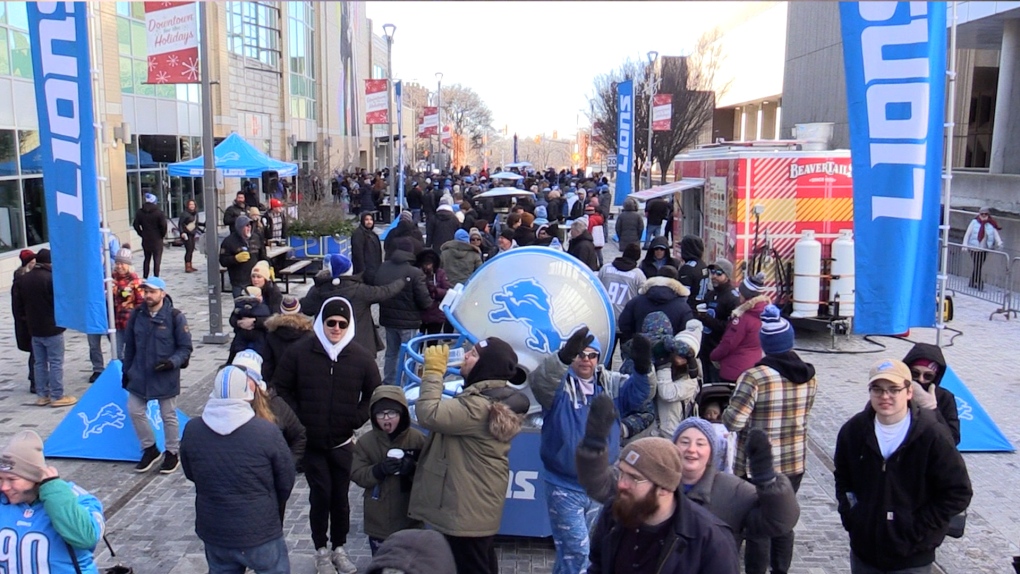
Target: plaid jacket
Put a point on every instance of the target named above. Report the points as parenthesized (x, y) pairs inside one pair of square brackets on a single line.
[(764, 399)]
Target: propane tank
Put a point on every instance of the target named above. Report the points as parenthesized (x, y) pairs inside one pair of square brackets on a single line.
[(807, 275), (843, 283)]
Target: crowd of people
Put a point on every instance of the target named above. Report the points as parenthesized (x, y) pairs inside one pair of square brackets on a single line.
[(641, 472)]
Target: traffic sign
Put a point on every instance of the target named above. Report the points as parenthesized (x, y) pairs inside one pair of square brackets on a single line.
[(611, 163)]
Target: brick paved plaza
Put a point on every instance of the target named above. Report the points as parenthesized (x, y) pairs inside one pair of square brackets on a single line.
[(151, 517)]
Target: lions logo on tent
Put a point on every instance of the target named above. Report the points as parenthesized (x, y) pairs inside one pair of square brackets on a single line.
[(110, 415)]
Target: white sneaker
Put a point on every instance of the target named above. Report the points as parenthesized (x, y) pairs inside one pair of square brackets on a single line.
[(342, 563), (323, 565)]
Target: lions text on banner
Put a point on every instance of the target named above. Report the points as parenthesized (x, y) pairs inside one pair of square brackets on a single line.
[(624, 140), (172, 39), (662, 112), (67, 140), (376, 95), (895, 56), (429, 125)]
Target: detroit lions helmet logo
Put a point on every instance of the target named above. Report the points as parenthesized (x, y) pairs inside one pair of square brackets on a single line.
[(527, 302), (110, 415)]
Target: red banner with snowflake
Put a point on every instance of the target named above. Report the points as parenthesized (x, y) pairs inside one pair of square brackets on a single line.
[(429, 125), (662, 112), (172, 33), (377, 94)]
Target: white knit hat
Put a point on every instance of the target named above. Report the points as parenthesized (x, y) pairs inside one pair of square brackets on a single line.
[(231, 383), (691, 336)]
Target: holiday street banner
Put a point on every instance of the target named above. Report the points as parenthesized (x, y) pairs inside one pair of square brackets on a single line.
[(662, 112), (58, 32), (446, 134), (895, 57), (624, 140), (376, 95), (429, 125), (172, 39)]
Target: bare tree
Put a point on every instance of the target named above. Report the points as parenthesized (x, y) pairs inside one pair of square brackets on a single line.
[(689, 79), (466, 113)]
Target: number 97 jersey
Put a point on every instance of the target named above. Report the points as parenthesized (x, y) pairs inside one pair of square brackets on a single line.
[(621, 285)]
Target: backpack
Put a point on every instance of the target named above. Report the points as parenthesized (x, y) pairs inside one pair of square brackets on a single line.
[(578, 209)]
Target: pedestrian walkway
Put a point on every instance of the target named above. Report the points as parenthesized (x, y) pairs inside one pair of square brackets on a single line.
[(151, 517)]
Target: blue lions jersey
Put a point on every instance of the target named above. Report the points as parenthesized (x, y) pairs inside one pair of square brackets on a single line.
[(29, 544)]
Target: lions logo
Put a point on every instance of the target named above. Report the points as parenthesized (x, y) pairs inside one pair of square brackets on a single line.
[(527, 302), (110, 415)]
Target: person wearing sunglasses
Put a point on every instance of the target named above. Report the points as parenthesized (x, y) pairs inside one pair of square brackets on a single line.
[(714, 313), (328, 381), (927, 367), (899, 478), (565, 384)]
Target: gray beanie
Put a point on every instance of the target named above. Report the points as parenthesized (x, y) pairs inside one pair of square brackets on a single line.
[(23, 456), (706, 429)]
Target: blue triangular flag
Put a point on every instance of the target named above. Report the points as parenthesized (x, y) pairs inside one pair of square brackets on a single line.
[(390, 227), (99, 426), (978, 432)]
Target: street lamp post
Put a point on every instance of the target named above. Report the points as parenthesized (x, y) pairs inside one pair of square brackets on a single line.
[(389, 29), (439, 111), (651, 85)]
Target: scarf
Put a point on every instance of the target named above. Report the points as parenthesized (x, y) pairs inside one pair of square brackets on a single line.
[(981, 227)]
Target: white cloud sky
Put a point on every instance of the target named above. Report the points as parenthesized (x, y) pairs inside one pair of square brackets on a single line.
[(533, 63)]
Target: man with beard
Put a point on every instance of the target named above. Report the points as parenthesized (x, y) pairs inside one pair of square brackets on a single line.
[(366, 249), (651, 527)]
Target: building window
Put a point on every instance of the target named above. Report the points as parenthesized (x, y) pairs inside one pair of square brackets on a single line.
[(378, 72), (301, 51), (22, 201), (253, 31), (133, 52), (15, 50)]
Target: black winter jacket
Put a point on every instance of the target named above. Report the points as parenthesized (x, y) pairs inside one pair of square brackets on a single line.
[(150, 225), (290, 425), (240, 480), (945, 400), (657, 294), (330, 397), (231, 213), (692, 269), (21, 333), (721, 300), (403, 310), (696, 542), (239, 273), (282, 331), (583, 248), (34, 301), (903, 503), (648, 262), (441, 228), (360, 295), (403, 229), (366, 252)]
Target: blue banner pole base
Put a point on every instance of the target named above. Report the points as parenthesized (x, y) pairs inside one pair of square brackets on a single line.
[(99, 426)]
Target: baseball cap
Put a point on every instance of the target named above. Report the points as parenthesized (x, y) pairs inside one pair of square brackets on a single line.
[(890, 370), (155, 283)]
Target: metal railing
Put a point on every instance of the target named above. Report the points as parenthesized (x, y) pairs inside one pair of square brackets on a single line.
[(985, 274)]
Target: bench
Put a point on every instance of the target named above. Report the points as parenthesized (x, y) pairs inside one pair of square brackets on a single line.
[(292, 269)]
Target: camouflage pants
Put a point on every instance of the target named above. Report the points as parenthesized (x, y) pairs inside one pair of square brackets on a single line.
[(572, 516)]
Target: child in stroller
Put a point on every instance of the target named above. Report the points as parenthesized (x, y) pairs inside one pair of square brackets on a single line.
[(712, 400)]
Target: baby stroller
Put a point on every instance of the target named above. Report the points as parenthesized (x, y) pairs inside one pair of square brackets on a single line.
[(719, 393)]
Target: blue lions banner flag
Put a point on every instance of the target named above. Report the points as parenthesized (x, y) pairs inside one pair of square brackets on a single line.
[(978, 432), (895, 56), (63, 95), (99, 426), (624, 141)]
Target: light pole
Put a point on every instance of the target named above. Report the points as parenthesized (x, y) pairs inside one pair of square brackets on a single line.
[(216, 335), (651, 85), (439, 111), (388, 30)]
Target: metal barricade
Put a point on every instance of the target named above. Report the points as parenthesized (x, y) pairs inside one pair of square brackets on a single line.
[(1012, 302), (985, 274)]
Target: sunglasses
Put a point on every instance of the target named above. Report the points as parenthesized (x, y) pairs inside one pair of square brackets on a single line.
[(478, 239), (588, 355), (336, 323), (718, 272), (922, 376)]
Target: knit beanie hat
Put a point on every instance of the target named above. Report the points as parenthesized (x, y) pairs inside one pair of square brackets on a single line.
[(43, 256), (336, 308), (123, 256), (751, 287), (507, 234), (632, 252), (690, 336), (657, 459), (231, 383), (262, 270), (474, 233), (405, 215), (253, 291), (706, 429), (462, 235), (723, 265), (541, 212), (496, 360), (251, 362), (339, 265), (253, 212), (23, 456), (578, 226), (669, 271), (149, 198), (290, 305), (26, 255), (776, 333)]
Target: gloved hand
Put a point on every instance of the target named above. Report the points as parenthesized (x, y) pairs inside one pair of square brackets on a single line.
[(922, 398), (165, 365), (641, 353), (242, 257), (601, 417), (124, 380), (759, 457), (436, 358), (407, 466), (386, 468), (577, 342)]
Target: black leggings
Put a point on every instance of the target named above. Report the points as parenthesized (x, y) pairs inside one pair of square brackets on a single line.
[(189, 248), (329, 478), (154, 255)]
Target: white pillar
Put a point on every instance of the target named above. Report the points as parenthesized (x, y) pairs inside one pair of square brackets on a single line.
[(1006, 133)]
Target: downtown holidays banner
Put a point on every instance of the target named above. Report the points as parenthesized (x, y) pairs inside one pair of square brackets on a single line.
[(172, 39), (67, 140), (895, 58)]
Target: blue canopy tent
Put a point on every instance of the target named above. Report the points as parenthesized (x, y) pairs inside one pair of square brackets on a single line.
[(236, 158)]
